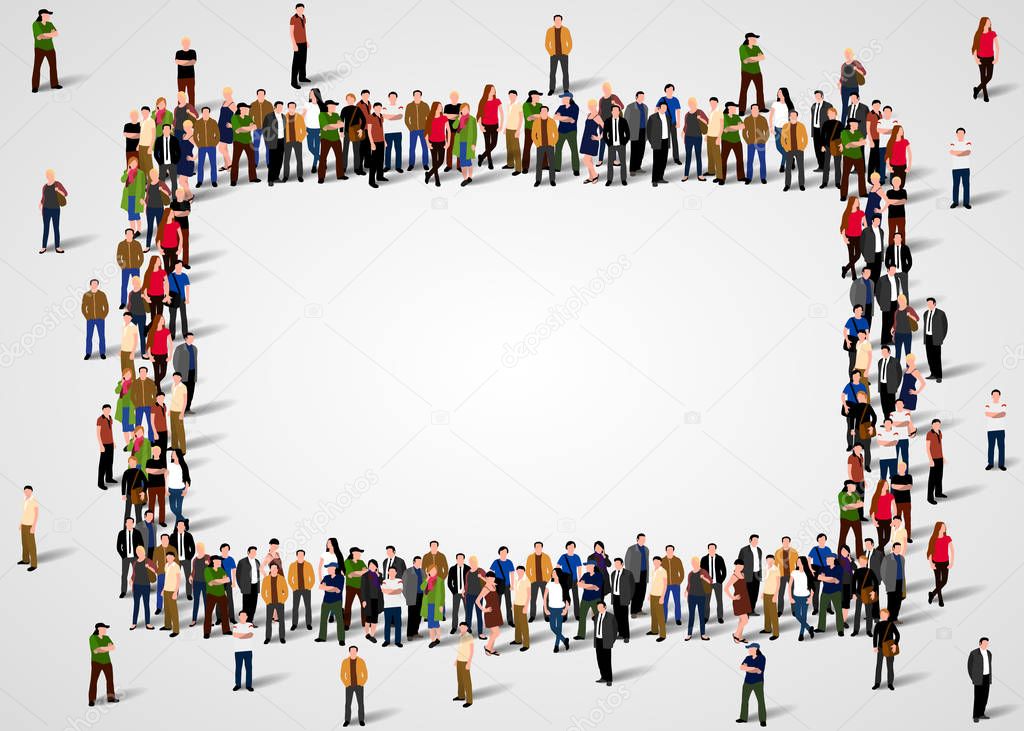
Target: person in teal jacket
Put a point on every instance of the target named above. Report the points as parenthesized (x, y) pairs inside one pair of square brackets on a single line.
[(433, 604), (465, 142), (133, 194)]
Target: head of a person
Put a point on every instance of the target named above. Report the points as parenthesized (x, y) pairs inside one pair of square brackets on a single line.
[(983, 643), (557, 20), (434, 545), (538, 547)]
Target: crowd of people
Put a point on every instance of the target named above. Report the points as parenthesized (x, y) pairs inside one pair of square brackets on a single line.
[(603, 593)]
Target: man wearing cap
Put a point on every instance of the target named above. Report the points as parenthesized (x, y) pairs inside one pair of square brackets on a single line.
[(333, 587), (753, 682), (100, 647), (43, 33), (566, 115), (605, 632), (558, 43), (751, 57), (592, 584)]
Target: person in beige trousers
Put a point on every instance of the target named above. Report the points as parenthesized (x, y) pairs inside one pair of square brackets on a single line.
[(179, 398), (520, 602), (714, 135), (172, 582), (659, 583)]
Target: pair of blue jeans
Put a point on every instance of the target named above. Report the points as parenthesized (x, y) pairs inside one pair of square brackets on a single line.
[(126, 277), (846, 92), (257, 135), (207, 153), (996, 438), (903, 451), (243, 657), (393, 141), (421, 135), (697, 605), (140, 595), (962, 178), (176, 498), (887, 467), (198, 594), (153, 216), (903, 342), (800, 612), (779, 148), (146, 411), (673, 590), (51, 218), (313, 144), (393, 619), (555, 620), (751, 149), (693, 146), (97, 325), (160, 578), (470, 607), (140, 322)]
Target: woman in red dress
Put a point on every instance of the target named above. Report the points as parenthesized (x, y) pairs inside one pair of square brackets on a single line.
[(736, 589), (489, 602)]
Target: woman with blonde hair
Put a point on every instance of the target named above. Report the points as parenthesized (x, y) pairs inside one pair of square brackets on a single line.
[(904, 325), (940, 556), (465, 142), (187, 160), (491, 116), (227, 133), (913, 383), (851, 226), (985, 49), (883, 503), (590, 146)]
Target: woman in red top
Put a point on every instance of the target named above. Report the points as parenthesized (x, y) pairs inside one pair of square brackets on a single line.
[(850, 228), (440, 137), (491, 116), (171, 239), (898, 154), (882, 505), (159, 343), (155, 285), (985, 48), (940, 555)]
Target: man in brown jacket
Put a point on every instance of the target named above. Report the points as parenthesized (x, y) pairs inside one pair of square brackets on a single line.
[(294, 135), (537, 564), (353, 677), (676, 573), (786, 558), (545, 136), (417, 118), (558, 43), (275, 593), (794, 141), (755, 134), (129, 259), (95, 310), (207, 137), (301, 580), (142, 392), (259, 110)]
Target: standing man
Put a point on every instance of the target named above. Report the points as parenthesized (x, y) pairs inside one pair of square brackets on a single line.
[(519, 602), (147, 136), (127, 539), (412, 589), (538, 572), (751, 57), (571, 565), (301, 579), (244, 632), (300, 45), (616, 135), (713, 138), (544, 135), (638, 562), (417, 121), (786, 559), (176, 409), (171, 583), (333, 587), (995, 417), (218, 584), (393, 123), (29, 521), (100, 647), (885, 644), (753, 559), (794, 142), (819, 115), (851, 143), (732, 126), (503, 570), (770, 590), (935, 328), (207, 137), (592, 584), (243, 127), (933, 450), (273, 136), (105, 438), (294, 136), (605, 632), (851, 511), (185, 550), (659, 127), (960, 151), (275, 593), (753, 682), (755, 134), (463, 661), (675, 575), (43, 33), (659, 583), (623, 584), (353, 677), (185, 60), (558, 43), (167, 153), (894, 577), (458, 577), (979, 668), (513, 121), (186, 361), (715, 566), (95, 310), (567, 115), (889, 374), (636, 119)]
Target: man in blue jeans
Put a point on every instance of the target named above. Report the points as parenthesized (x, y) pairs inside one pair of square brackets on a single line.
[(207, 136), (960, 150), (243, 633), (394, 114), (995, 417), (94, 310)]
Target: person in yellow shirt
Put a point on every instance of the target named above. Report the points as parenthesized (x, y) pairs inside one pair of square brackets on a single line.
[(353, 677), (659, 583), (716, 121), (176, 408), (558, 43), (29, 520)]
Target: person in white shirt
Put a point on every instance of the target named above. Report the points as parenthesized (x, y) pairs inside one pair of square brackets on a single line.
[(394, 123), (887, 437), (960, 151), (903, 425), (885, 125), (995, 419), (394, 598), (244, 633)]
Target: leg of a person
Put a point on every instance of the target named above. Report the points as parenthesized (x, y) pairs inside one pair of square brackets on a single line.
[(745, 701)]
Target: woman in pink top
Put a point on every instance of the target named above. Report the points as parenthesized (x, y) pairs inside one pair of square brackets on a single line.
[(898, 154), (171, 239), (985, 48), (850, 228), (159, 343), (439, 137), (940, 555), (882, 504), (491, 116), (155, 285)]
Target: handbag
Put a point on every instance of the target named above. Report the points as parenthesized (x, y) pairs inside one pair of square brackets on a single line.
[(62, 200), (913, 324), (865, 430), (833, 148), (889, 647), (865, 595), (861, 80)]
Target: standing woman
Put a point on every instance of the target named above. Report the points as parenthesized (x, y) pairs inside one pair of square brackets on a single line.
[(187, 160), (50, 204), (881, 509), (154, 282), (601, 564), (850, 228), (898, 155), (592, 136), (491, 115), (985, 48), (940, 555), (227, 132), (556, 605), (158, 197), (736, 589), (904, 325), (311, 115), (124, 409), (160, 344), (489, 602), (440, 138), (433, 602), (465, 143), (777, 118), (801, 595), (172, 239), (133, 194), (913, 383), (874, 206), (845, 562)]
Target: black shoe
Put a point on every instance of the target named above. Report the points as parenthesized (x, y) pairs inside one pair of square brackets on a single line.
[(679, 623), (802, 188), (25, 563), (968, 207), (891, 687), (294, 86), (103, 356), (237, 687), (976, 90), (535, 185), (785, 188)]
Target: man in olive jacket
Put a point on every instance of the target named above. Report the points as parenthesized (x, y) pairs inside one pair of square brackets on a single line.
[(95, 310), (794, 141), (417, 119)]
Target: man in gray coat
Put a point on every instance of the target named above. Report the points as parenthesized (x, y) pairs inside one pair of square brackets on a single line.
[(247, 576), (638, 563), (412, 579), (894, 576), (979, 668), (935, 329), (862, 293), (636, 119), (186, 362)]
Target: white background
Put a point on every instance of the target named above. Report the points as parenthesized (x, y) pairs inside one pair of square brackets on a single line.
[(347, 332)]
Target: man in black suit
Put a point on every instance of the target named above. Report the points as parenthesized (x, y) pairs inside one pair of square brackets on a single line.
[(185, 548), (458, 577), (753, 560), (659, 129), (831, 129), (127, 539), (393, 560), (857, 111), (715, 566), (273, 135), (979, 668), (622, 587), (166, 152), (605, 632), (616, 137), (897, 254), (889, 380), (935, 329), (133, 479), (872, 247), (247, 576), (885, 631), (819, 115), (888, 288)]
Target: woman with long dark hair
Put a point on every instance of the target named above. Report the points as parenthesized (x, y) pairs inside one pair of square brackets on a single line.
[(883, 503), (801, 595), (556, 604), (985, 49), (778, 115), (940, 556), (491, 116), (850, 229), (440, 137), (311, 116), (736, 589), (160, 344)]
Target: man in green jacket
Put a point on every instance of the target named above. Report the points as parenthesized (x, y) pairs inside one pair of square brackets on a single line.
[(243, 126), (852, 145), (43, 33)]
